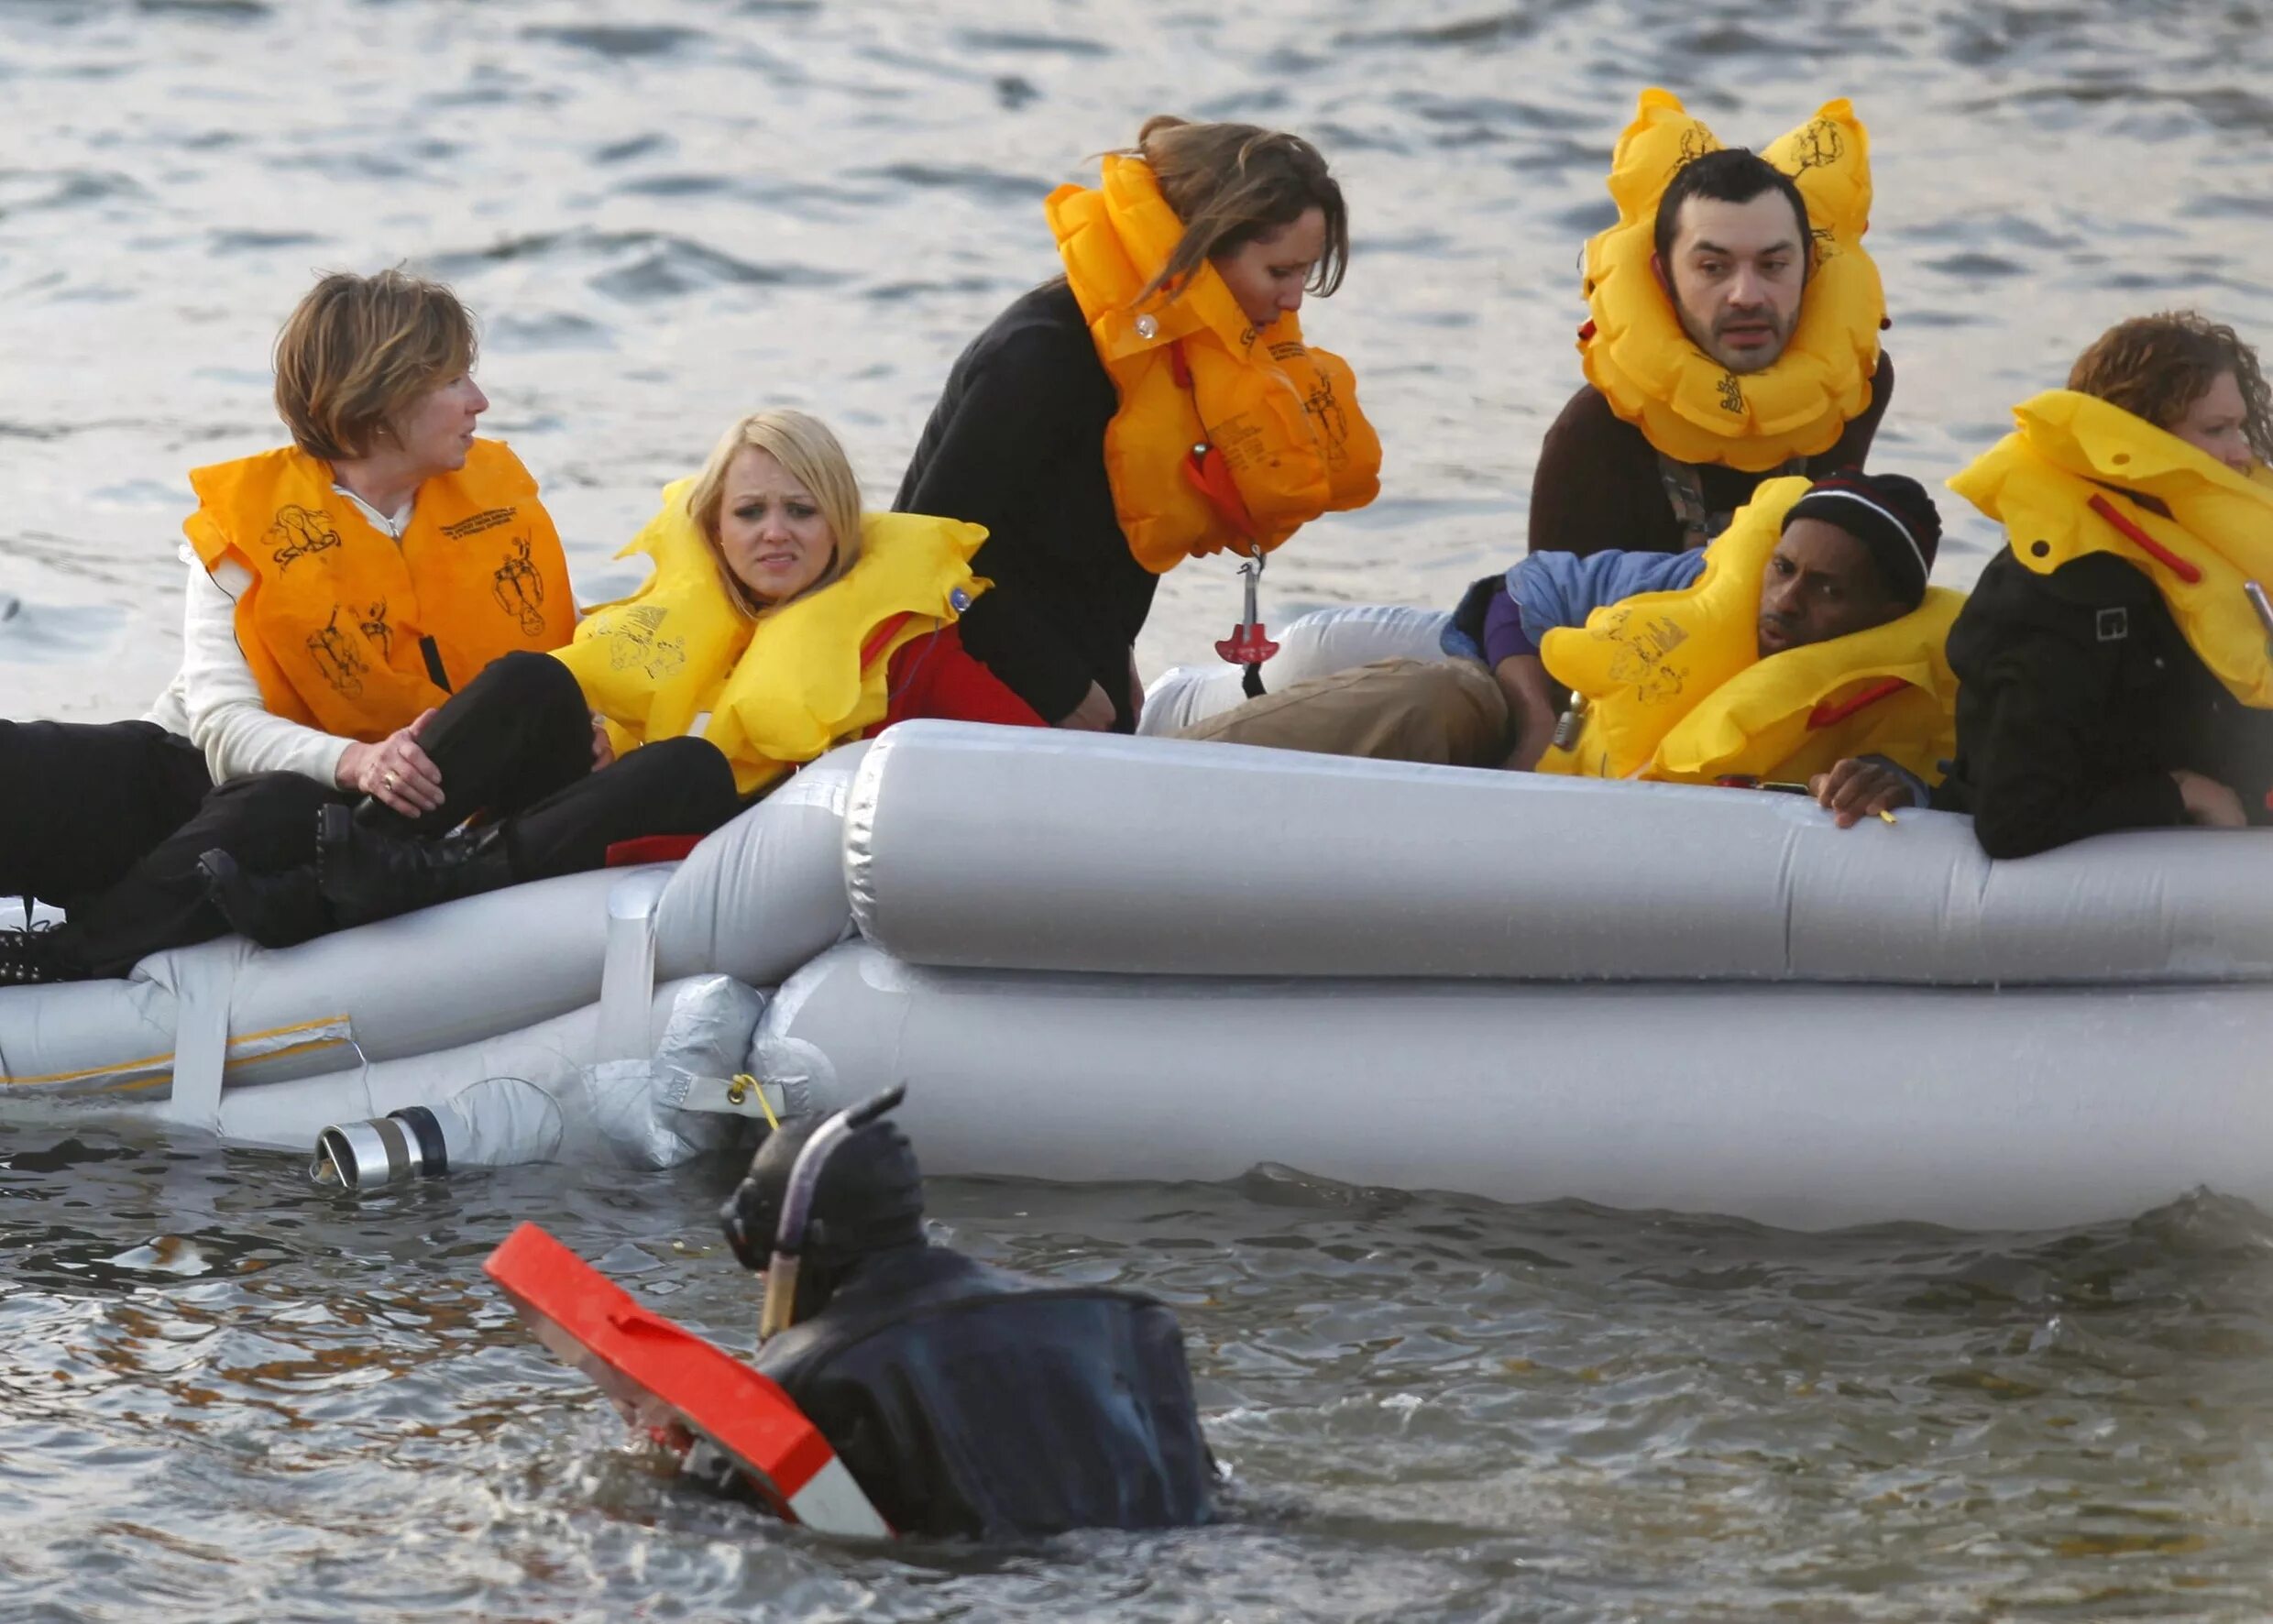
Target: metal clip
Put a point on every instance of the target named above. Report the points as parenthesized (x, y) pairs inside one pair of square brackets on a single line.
[(2256, 594), (1571, 723)]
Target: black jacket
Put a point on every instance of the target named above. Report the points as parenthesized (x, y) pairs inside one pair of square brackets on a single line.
[(967, 1401), (2077, 698), (1016, 444), (1598, 489)]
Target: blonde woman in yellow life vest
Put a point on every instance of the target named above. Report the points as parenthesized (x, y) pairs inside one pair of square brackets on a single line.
[(2117, 655), (1158, 402), (341, 589), (779, 620)]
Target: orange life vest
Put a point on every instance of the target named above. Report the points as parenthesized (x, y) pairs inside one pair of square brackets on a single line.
[(350, 632), (1226, 437)]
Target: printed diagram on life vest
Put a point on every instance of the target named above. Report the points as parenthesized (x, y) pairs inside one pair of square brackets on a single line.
[(1819, 146), (337, 657), (1324, 411), (1695, 142), (1731, 394), (519, 588), (298, 532), (632, 643), (377, 632), (1639, 660)]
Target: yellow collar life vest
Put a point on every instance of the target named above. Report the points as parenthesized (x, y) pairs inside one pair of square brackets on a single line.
[(2061, 487), (1676, 689), (1226, 436), (783, 689), (1636, 352), (351, 631)]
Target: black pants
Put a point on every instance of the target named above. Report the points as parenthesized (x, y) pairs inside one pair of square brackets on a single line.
[(515, 743), (81, 804)]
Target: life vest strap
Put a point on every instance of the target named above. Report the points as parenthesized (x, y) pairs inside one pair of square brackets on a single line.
[(1205, 467), (2189, 573), (1830, 713), (881, 638)]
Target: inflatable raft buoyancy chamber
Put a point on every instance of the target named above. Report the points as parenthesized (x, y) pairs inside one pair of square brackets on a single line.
[(1098, 958)]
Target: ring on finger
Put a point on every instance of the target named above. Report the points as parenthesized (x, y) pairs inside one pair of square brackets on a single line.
[(388, 778)]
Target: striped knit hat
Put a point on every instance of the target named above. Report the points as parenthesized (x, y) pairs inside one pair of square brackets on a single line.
[(1890, 515)]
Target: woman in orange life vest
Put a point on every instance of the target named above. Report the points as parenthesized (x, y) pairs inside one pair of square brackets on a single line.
[(779, 619), (2114, 673), (338, 588), (1019, 441)]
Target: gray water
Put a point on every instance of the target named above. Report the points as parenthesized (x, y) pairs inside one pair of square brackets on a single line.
[(226, 1395)]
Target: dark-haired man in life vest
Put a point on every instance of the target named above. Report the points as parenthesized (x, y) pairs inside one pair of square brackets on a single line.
[(1734, 334), (965, 1399), (1803, 646)]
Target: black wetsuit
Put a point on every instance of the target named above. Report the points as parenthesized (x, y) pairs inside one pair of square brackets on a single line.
[(966, 1400)]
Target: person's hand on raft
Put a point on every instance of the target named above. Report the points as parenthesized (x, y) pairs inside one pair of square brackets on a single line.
[(395, 772), (1092, 714), (2209, 803), (1857, 788)]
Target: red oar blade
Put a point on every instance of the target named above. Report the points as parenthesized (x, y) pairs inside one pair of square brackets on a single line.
[(663, 1378)]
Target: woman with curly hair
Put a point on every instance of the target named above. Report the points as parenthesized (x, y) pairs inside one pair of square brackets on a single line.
[(2117, 657)]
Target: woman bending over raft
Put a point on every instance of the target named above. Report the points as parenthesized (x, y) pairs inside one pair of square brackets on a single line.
[(779, 620), (2114, 657), (339, 589), (1156, 402)]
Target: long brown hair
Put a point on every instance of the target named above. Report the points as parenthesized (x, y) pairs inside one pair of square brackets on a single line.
[(2155, 366), (1230, 183)]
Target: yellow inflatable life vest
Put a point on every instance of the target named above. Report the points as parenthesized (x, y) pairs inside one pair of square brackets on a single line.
[(1676, 691), (1636, 352), (2061, 485), (783, 689), (1226, 436), (351, 631)]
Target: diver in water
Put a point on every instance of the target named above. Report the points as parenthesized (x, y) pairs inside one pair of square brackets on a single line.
[(964, 1399)]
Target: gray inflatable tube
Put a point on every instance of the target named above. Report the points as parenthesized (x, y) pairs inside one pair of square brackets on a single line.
[(1111, 958)]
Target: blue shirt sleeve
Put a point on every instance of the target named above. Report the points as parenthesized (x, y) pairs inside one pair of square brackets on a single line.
[(1554, 589)]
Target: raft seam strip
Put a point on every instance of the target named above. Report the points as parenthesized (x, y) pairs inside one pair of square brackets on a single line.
[(165, 1059)]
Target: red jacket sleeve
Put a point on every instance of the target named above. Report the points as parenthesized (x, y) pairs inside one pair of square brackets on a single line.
[(933, 676)]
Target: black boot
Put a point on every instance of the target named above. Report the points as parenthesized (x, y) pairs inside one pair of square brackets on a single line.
[(367, 876), (29, 957), (276, 910)]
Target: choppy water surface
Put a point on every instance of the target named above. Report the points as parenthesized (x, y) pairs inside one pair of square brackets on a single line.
[(225, 1395)]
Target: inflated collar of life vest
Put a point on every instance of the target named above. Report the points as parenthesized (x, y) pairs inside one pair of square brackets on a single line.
[(2064, 483), (1226, 436), (782, 689), (676, 1387), (1636, 352), (1676, 689), (356, 634)]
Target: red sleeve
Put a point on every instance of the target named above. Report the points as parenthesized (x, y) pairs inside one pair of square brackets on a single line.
[(932, 676)]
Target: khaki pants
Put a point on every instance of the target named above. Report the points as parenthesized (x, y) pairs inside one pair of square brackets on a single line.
[(1450, 712)]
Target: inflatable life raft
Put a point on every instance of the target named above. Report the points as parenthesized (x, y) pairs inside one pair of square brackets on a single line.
[(1095, 958)]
